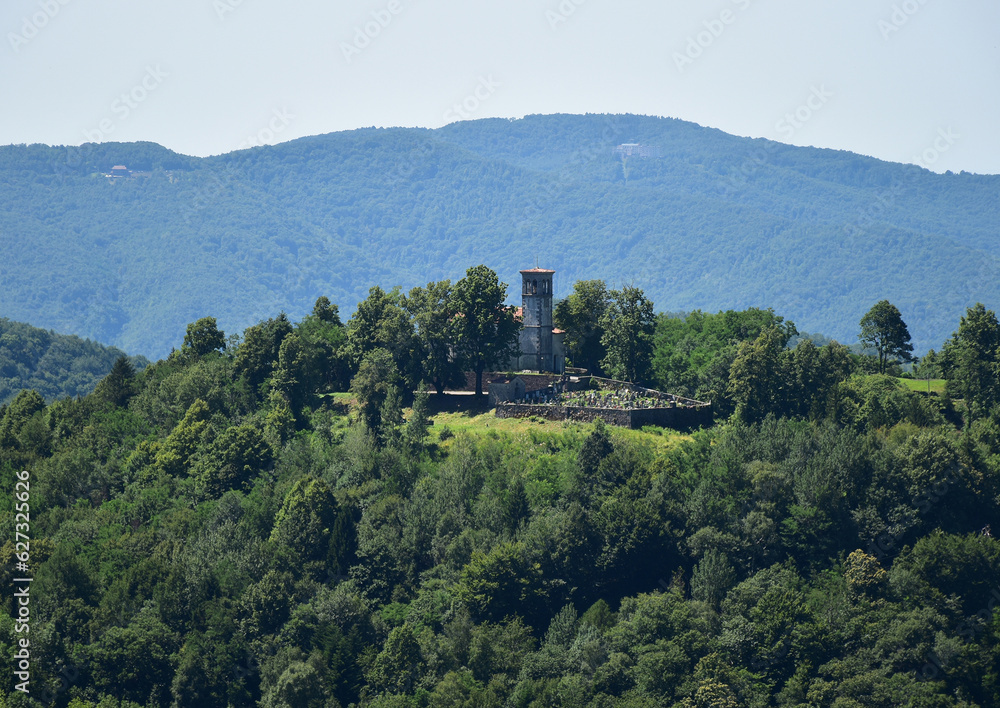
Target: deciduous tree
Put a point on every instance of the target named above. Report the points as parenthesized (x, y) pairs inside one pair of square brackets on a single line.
[(236, 457), (257, 354), (755, 376), (628, 324), (971, 360), (487, 329), (380, 322), (580, 315), (433, 313), (203, 336), (883, 329), (376, 375)]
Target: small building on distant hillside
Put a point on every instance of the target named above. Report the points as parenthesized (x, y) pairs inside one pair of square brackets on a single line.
[(119, 171), (637, 150)]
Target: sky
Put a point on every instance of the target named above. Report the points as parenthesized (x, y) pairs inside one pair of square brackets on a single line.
[(912, 81)]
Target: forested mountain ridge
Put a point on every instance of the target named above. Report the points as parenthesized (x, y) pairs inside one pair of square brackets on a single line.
[(716, 222), (55, 365)]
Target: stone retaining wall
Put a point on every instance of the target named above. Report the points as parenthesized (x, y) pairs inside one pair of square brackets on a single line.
[(611, 416), (680, 417), (525, 410)]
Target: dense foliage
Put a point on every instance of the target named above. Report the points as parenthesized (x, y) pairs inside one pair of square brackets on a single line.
[(54, 365), (883, 329), (220, 530), (719, 222)]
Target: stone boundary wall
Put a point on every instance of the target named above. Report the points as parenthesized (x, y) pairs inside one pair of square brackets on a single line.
[(687, 417), (532, 382), (538, 382), (611, 416), (680, 417), (526, 410)]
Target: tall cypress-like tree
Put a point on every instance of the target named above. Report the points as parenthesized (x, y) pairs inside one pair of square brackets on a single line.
[(119, 385), (416, 426)]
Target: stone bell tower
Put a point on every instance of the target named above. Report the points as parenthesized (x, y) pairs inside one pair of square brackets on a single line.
[(536, 325)]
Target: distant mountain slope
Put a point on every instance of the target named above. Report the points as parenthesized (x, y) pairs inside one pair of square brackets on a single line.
[(55, 365), (716, 222)]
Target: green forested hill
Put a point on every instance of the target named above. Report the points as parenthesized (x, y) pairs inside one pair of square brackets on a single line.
[(717, 222), (230, 528), (55, 365)]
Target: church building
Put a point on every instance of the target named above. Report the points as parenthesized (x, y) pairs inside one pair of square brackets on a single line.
[(541, 344)]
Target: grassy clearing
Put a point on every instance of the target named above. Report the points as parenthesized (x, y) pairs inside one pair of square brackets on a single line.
[(919, 385), (477, 419), (466, 414)]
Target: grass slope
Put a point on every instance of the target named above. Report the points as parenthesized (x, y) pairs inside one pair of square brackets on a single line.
[(925, 386)]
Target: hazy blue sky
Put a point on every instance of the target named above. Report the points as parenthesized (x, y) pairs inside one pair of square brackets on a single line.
[(908, 81)]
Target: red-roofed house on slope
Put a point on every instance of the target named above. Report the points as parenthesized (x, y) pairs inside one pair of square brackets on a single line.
[(541, 344)]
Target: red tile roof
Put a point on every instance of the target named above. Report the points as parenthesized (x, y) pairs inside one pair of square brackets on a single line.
[(537, 270)]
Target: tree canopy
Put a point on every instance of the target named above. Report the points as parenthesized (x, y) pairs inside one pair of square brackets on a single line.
[(883, 329), (628, 325), (579, 314), (970, 360), (487, 329)]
